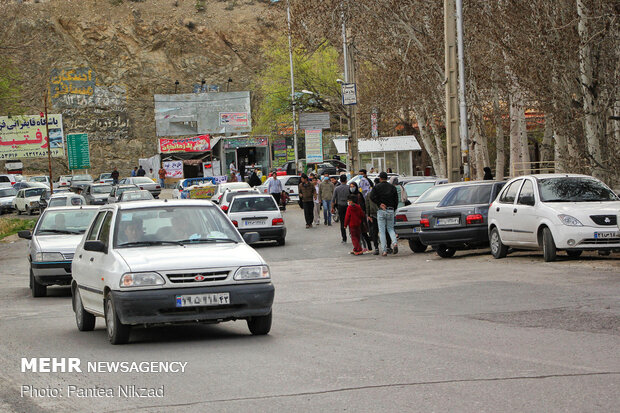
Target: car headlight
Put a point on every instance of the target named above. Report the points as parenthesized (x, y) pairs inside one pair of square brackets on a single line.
[(141, 279), (569, 220), (257, 272), (34, 203), (48, 256)]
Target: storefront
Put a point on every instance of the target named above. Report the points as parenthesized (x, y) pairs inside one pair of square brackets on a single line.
[(395, 152), (245, 151), (198, 155)]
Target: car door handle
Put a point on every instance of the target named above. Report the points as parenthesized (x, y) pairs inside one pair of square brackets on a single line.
[(515, 210), (80, 256), (497, 209), (92, 259)]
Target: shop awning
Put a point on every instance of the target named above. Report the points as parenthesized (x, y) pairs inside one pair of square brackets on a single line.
[(387, 144)]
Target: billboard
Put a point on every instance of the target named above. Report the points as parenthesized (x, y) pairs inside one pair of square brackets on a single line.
[(23, 136), (200, 143), (202, 113), (314, 145)]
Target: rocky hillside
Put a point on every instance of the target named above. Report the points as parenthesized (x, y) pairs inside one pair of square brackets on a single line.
[(103, 60)]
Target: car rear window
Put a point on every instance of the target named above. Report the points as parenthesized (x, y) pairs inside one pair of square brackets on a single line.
[(4, 179), (418, 188), (8, 192), (250, 204), (434, 194), (101, 189), (34, 192), (293, 181), (468, 195)]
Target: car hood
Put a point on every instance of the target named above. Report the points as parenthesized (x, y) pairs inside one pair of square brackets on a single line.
[(583, 210), (197, 256), (6, 199), (65, 243)]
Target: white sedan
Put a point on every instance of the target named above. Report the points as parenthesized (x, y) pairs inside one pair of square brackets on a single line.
[(555, 212), (27, 199), (258, 213)]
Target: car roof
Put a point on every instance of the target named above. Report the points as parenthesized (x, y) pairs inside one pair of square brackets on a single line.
[(252, 195), (543, 176), (66, 194), (70, 208), (161, 202)]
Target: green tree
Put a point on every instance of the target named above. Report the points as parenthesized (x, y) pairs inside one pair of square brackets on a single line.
[(10, 90)]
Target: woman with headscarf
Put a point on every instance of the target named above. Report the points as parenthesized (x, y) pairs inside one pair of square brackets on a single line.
[(254, 179), (355, 190), (399, 190), (488, 176)]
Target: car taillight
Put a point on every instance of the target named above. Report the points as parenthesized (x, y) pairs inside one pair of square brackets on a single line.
[(235, 223), (277, 221), (224, 208), (424, 222), (401, 218), (141, 187), (157, 187), (474, 219)]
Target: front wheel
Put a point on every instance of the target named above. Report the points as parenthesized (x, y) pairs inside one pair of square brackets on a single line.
[(498, 249), (445, 252), (118, 333), (549, 249), (260, 325), (37, 289), (417, 246), (85, 321)]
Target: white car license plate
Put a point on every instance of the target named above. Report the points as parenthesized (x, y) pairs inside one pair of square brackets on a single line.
[(416, 229), (198, 300), (254, 222), (448, 221), (606, 234)]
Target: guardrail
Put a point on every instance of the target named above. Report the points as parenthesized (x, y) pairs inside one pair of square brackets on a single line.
[(538, 167)]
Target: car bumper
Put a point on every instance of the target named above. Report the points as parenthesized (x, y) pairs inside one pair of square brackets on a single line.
[(99, 202), (7, 208), (585, 238), (407, 231), (52, 273), (457, 238), (159, 306), (267, 233)]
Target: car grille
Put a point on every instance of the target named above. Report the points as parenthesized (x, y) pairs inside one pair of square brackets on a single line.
[(600, 241), (68, 256), (604, 219), (195, 277)]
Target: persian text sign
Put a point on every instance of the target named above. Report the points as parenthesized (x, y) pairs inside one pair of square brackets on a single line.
[(314, 145), (174, 169), (79, 81), (200, 143), (24, 137), (234, 118), (78, 151)]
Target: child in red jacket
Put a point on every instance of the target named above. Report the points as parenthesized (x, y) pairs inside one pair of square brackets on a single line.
[(354, 218)]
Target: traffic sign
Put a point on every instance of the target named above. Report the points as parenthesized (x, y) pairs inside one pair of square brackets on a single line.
[(78, 152), (349, 94)]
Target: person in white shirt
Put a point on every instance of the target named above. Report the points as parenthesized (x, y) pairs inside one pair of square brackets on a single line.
[(233, 168), (274, 187)]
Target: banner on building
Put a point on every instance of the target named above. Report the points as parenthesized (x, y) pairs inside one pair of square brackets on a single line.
[(314, 145), (200, 143), (234, 119), (234, 143), (23, 136), (174, 169)]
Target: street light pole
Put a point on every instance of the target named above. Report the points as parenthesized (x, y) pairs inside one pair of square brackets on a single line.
[(464, 135), (290, 57), (49, 153)]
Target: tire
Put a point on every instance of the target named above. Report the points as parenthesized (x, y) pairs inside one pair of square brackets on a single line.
[(574, 253), (445, 252), (29, 211), (118, 333), (498, 249), (85, 321), (417, 246), (37, 289), (549, 250), (19, 212), (260, 325), (281, 241)]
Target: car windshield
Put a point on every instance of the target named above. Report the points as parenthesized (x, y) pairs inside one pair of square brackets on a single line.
[(7, 192), (468, 195), (105, 176), (434, 194), (38, 179), (255, 203), (172, 225), (64, 221), (101, 189), (121, 189), (82, 178), (136, 195), (418, 188), (34, 192), (142, 180), (60, 201), (574, 189)]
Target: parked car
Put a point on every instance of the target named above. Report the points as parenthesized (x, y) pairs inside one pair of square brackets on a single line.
[(290, 183), (64, 199), (105, 178), (460, 221), (96, 194), (555, 212), (118, 190), (27, 199), (52, 245), (63, 181), (7, 180), (7, 196), (371, 177), (407, 225), (168, 262), (80, 181), (139, 195), (143, 182), (416, 188), (230, 193), (258, 213), (221, 188), (41, 179)]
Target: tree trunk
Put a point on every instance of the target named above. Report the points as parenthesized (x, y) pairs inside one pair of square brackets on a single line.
[(439, 145), (546, 149), (516, 141), (429, 145), (500, 157)]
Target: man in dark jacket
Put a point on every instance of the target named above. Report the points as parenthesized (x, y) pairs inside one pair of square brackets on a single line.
[(385, 196), (115, 175), (141, 171), (307, 194), (340, 202)]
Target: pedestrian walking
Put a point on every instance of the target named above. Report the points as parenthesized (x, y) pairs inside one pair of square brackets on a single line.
[(274, 187), (241, 172), (307, 194), (326, 191), (162, 177), (364, 183), (316, 211), (361, 201), (353, 219), (115, 175), (340, 203), (385, 196), (254, 179), (488, 175), (371, 214), (135, 171), (284, 197), (141, 171), (399, 191), (151, 174), (233, 168), (233, 178)]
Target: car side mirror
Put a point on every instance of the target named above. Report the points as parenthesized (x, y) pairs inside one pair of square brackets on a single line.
[(96, 246), (251, 237), (26, 234)]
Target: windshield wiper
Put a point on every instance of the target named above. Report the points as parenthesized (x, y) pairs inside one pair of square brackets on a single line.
[(60, 231), (148, 243), (200, 240)]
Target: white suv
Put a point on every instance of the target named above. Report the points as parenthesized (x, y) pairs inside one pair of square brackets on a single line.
[(555, 212)]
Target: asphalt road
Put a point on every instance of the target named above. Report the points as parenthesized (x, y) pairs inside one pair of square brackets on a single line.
[(363, 334)]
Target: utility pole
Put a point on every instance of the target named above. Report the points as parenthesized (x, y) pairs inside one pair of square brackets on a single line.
[(464, 132), (453, 167), (49, 151), (349, 76), (290, 57)]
